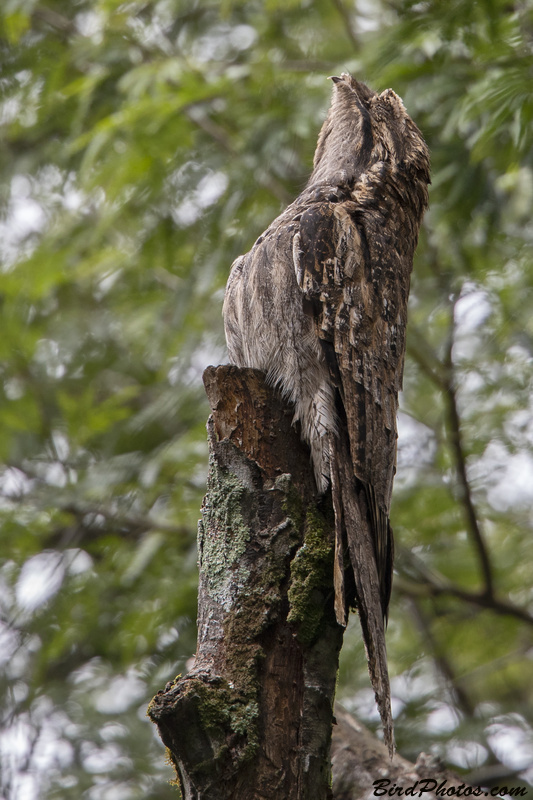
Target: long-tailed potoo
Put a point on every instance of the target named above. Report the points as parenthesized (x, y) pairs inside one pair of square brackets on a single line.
[(320, 305)]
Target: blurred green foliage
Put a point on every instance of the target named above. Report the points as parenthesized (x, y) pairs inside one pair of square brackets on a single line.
[(144, 145)]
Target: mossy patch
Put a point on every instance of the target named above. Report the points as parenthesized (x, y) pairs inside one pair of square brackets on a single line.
[(311, 576), (225, 712)]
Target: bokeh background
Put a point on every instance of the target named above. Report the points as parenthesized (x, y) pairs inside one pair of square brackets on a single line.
[(143, 146)]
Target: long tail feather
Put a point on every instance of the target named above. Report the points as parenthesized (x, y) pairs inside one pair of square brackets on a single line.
[(350, 499)]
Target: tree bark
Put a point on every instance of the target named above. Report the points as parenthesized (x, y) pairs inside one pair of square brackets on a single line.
[(252, 720)]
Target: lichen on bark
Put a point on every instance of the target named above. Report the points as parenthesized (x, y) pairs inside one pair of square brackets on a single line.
[(222, 533)]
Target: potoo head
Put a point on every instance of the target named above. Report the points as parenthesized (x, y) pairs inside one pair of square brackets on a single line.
[(364, 129)]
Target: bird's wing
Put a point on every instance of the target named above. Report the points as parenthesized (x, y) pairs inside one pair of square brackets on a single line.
[(357, 291), (359, 299)]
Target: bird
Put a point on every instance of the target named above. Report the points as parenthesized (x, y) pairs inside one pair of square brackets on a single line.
[(319, 304)]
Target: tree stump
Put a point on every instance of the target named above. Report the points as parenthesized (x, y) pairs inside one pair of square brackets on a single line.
[(253, 718)]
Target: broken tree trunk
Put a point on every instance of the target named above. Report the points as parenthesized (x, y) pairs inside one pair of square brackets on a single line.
[(252, 720)]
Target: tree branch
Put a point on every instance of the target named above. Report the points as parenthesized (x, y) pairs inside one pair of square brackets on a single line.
[(428, 584), (456, 441), (421, 355), (359, 760), (55, 20), (443, 376), (442, 663)]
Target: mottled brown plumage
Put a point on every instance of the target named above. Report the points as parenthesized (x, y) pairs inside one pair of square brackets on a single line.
[(320, 305)]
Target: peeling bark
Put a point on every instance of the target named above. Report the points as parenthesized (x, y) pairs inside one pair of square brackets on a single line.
[(252, 720)]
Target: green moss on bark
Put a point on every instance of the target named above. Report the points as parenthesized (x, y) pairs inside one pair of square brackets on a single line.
[(311, 576), (226, 713)]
